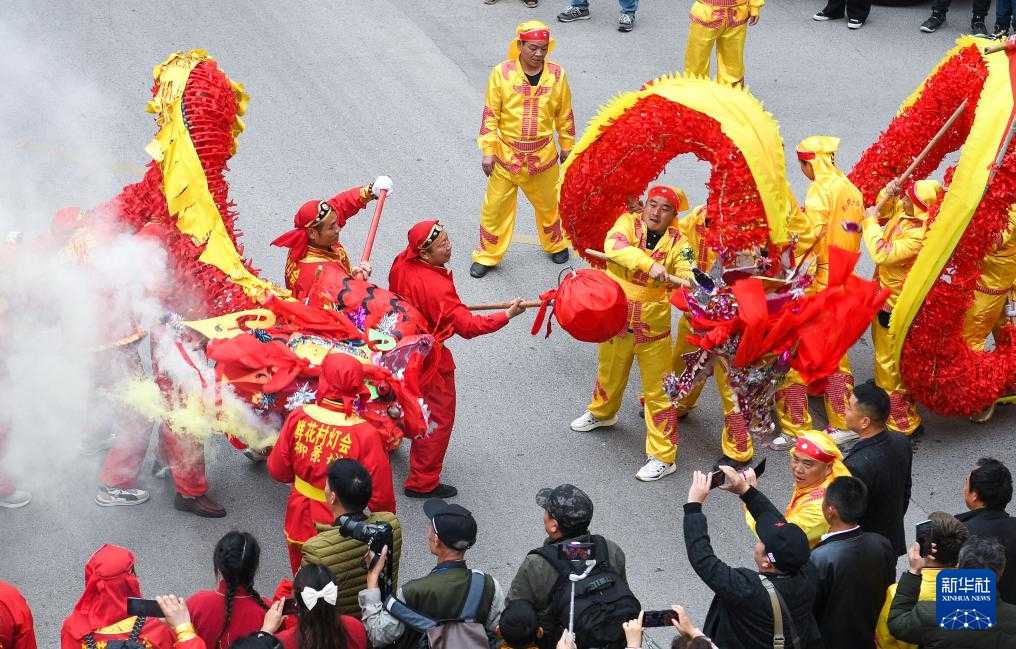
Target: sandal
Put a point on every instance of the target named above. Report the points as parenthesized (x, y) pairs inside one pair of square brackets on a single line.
[(489, 2), (532, 4)]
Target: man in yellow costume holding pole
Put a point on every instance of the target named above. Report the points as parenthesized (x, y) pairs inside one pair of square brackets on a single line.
[(725, 24), (528, 99), (646, 255), (832, 215), (894, 249), (736, 440)]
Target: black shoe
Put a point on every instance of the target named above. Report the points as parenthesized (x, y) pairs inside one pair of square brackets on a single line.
[(478, 270), (854, 23), (916, 438), (560, 257), (202, 506), (931, 25), (823, 16), (441, 491), (978, 28), (571, 14), (1001, 33)]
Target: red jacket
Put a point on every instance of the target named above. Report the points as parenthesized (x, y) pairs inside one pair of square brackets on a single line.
[(311, 438), (16, 628), (155, 634), (356, 635), (208, 611), (432, 291), (301, 275)]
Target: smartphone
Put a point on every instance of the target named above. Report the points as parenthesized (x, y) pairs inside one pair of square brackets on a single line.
[(576, 551), (718, 478), (144, 607), (654, 619), (289, 607), (923, 536)]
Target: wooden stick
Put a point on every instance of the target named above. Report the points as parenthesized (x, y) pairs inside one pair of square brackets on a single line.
[(924, 153), (673, 279), (502, 305), (1010, 43)]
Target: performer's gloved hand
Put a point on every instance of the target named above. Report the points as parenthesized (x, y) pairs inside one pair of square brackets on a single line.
[(381, 183), (362, 271)]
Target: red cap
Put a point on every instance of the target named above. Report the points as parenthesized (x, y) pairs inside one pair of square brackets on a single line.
[(807, 447), (674, 196), (423, 234), (805, 155)]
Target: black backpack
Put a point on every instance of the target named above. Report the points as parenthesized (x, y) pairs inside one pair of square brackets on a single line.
[(603, 601), (131, 642)]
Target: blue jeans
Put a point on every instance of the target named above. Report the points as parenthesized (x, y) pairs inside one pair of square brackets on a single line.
[(627, 6), (1003, 14)]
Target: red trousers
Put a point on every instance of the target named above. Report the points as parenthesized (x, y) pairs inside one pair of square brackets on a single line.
[(426, 455)]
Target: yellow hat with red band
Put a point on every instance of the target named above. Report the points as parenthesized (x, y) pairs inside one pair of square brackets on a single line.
[(818, 445), (925, 195), (530, 30), (673, 195), (810, 147)]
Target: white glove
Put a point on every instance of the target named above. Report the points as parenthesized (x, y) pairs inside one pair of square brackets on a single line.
[(381, 182)]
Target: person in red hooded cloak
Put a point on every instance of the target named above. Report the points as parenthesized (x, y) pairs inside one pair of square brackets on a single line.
[(17, 631), (316, 434), (419, 276), (314, 240)]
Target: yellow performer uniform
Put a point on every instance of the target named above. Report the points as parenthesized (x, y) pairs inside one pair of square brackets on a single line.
[(517, 129), (648, 334), (736, 440), (927, 593), (998, 277), (725, 23), (805, 507), (894, 249), (832, 214)]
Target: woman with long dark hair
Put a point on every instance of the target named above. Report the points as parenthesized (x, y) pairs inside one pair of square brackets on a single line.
[(235, 608), (319, 624)]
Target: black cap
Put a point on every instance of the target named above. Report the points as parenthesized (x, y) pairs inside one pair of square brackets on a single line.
[(785, 543), (454, 524), (568, 505)]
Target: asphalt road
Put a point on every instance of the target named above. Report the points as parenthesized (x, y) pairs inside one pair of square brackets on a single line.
[(343, 91)]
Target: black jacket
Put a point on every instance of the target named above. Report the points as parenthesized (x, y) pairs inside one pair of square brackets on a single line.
[(883, 463), (999, 525), (916, 622), (854, 568), (741, 614)]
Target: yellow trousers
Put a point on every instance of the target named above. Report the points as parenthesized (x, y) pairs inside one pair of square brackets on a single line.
[(792, 400), (735, 440), (983, 316), (497, 215), (903, 415), (729, 43), (615, 359)]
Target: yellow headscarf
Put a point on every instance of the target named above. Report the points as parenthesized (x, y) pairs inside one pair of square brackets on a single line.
[(819, 151), (525, 28), (818, 445), (925, 195)]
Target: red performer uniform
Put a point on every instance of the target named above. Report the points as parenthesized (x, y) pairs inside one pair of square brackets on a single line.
[(313, 436), (432, 291), (16, 628), (304, 263), (102, 609)]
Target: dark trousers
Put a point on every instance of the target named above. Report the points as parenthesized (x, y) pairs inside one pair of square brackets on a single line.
[(980, 7), (854, 8), (1003, 14)]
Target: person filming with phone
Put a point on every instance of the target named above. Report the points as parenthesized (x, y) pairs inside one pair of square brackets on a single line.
[(754, 609)]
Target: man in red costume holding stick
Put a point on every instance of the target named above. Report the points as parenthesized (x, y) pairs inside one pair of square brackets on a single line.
[(314, 240), (419, 276), (315, 435)]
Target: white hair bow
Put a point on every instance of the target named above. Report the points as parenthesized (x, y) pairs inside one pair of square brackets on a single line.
[(310, 596)]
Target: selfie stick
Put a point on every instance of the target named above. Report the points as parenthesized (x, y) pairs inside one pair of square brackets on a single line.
[(573, 578)]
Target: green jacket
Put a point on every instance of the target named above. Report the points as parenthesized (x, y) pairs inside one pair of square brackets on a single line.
[(916, 622), (344, 557)]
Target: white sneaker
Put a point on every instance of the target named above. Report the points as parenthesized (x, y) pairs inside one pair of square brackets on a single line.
[(842, 437), (782, 442), (653, 470), (588, 422)]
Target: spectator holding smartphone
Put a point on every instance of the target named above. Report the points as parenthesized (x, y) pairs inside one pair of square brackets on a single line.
[(319, 623), (689, 636)]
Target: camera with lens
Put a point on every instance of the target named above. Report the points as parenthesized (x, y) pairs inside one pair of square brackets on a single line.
[(375, 535)]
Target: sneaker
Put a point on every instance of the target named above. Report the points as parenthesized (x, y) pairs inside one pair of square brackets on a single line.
[(782, 442), (440, 491), (571, 14), (931, 25), (822, 16), (202, 506), (854, 23), (116, 497), (588, 421), (254, 455), (842, 437), (160, 470), (625, 22), (978, 28), (653, 470), (1001, 33), (560, 257), (15, 499), (478, 270)]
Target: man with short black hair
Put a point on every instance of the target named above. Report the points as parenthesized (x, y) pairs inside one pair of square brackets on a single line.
[(882, 459), (439, 595), (987, 492), (348, 489), (567, 513), (854, 569)]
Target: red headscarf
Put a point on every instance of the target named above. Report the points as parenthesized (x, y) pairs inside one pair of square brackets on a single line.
[(297, 239), (342, 380), (419, 236), (109, 581), (672, 195)]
